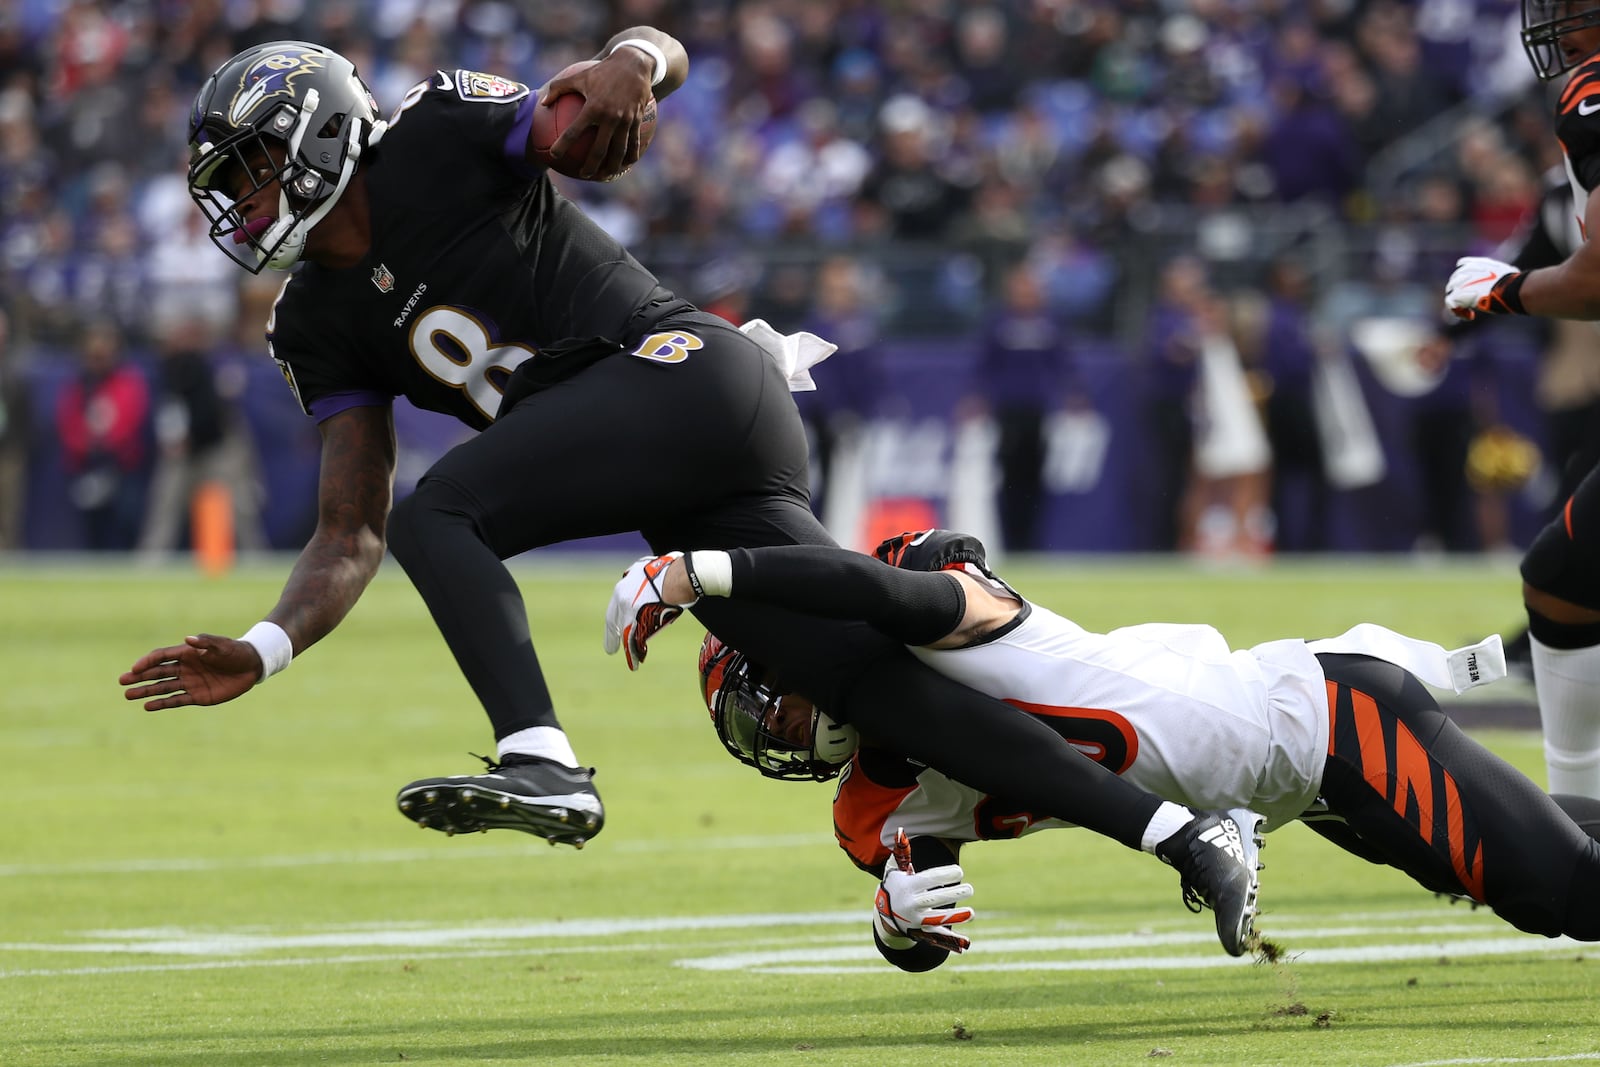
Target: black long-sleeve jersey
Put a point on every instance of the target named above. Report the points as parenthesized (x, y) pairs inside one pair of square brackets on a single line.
[(476, 264)]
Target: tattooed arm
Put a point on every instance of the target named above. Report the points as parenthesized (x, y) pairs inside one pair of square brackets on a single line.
[(355, 489)]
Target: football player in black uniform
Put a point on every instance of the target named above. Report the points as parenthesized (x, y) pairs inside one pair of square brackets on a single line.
[(435, 261), (1561, 569)]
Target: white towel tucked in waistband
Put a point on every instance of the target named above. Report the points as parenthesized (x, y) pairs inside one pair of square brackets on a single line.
[(794, 353), (1457, 669)]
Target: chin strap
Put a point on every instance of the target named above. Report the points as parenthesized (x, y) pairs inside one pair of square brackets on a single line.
[(291, 232)]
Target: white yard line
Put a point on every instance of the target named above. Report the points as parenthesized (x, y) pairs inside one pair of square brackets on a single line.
[(837, 944)]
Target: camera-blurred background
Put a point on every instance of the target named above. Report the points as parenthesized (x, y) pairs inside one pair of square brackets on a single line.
[(1105, 275)]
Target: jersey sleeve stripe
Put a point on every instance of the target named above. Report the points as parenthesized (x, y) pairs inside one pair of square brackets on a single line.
[(516, 143), (1578, 89)]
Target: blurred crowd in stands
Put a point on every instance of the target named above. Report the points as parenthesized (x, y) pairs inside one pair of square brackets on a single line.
[(1025, 174)]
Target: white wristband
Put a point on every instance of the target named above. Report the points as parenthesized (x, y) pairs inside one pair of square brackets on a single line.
[(272, 644), (656, 54), (710, 572)]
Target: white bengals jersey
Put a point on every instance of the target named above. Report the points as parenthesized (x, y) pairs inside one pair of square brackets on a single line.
[(1169, 707)]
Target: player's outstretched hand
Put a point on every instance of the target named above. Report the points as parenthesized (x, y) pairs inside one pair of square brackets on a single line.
[(205, 669), (637, 611), (921, 905)]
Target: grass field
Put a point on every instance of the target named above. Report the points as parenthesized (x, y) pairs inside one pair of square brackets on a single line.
[(232, 886)]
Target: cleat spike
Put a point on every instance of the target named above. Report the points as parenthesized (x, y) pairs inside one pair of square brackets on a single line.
[(449, 831), (431, 795), (588, 824), (578, 843), (553, 845), (422, 823), (563, 816), (405, 805), (466, 796), (505, 803)]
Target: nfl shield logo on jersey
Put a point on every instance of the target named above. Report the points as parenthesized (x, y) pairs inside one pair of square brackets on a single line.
[(383, 278)]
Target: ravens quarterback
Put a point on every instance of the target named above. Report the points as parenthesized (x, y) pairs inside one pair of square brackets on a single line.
[(1339, 733), (433, 259), (1561, 569)]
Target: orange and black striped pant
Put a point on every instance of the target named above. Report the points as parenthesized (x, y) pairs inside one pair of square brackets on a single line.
[(1415, 792)]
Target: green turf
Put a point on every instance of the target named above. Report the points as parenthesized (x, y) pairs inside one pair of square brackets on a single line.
[(232, 886)]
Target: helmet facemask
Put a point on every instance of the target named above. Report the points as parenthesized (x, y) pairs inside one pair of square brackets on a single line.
[(759, 732), (1545, 22)]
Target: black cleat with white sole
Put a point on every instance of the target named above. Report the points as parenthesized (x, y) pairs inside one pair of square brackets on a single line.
[(527, 793), (1217, 856)]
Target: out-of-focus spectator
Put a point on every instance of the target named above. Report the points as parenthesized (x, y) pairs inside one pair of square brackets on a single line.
[(200, 440), (920, 201), (983, 55), (813, 176), (1440, 427), (1021, 376), (999, 229), (1409, 94), (1172, 380), (1286, 362), (103, 422), (846, 312), (15, 426), (723, 288), (1308, 147), (768, 84)]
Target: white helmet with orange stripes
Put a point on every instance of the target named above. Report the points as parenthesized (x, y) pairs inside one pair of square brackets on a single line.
[(781, 735)]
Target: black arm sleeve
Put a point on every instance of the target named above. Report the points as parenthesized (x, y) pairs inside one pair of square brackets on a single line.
[(913, 607)]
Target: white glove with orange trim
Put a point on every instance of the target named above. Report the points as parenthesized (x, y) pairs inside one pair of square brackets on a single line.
[(1483, 285), (637, 612), (917, 905)]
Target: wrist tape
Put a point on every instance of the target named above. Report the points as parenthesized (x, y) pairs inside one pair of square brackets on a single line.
[(272, 644)]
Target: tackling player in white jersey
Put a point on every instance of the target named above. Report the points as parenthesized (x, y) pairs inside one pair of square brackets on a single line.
[(1340, 732)]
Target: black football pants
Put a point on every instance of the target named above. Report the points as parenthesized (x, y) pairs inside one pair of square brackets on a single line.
[(1417, 793), (705, 451)]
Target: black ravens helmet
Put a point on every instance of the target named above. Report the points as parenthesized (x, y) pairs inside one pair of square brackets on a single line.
[(1545, 22), (290, 113)]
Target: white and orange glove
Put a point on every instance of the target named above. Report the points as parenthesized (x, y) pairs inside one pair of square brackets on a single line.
[(637, 612), (1483, 286), (917, 905)]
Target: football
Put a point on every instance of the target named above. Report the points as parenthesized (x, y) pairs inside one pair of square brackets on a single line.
[(550, 119)]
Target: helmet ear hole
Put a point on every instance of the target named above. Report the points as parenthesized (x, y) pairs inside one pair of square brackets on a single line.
[(833, 742)]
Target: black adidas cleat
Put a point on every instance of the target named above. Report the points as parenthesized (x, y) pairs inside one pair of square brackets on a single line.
[(527, 793), (1216, 856)]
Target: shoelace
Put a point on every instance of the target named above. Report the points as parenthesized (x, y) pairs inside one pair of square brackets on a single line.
[(1192, 898), (492, 766)]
